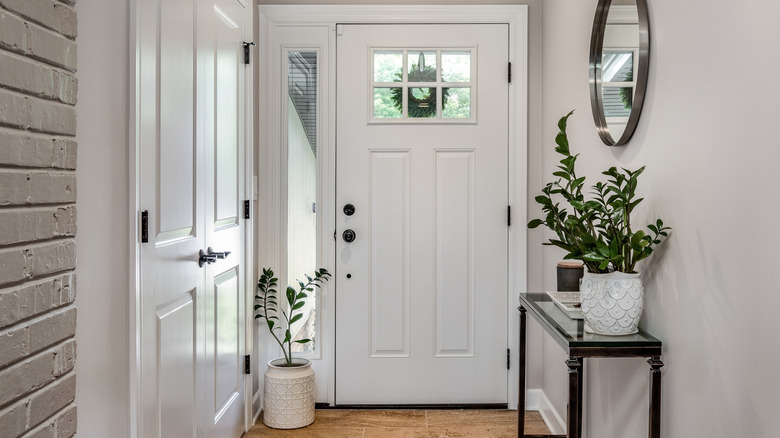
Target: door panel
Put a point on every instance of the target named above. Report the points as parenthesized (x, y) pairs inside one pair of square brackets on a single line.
[(223, 85), (227, 76), (191, 143), (176, 147), (422, 290), (389, 292), (172, 284), (175, 349), (227, 338), (454, 251)]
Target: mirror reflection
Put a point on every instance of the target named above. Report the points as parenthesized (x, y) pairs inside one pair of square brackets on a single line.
[(618, 63)]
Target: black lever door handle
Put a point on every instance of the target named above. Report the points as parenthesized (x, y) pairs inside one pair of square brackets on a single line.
[(220, 255), (211, 256)]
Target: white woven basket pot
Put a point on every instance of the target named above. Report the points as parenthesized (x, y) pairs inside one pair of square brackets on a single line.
[(288, 394), (612, 303)]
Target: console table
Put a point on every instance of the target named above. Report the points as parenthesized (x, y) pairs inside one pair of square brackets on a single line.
[(578, 345)]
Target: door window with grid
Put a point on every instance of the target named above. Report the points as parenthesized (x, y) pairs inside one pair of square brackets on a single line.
[(423, 85)]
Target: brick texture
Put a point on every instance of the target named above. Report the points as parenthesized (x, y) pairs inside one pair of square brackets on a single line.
[(48, 13), (38, 94)]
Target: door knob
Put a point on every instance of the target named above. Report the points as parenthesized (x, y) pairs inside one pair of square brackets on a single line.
[(349, 209), (348, 236), (211, 256)]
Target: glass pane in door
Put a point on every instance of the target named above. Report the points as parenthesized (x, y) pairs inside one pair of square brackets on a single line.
[(422, 66), (388, 66), (302, 188), (456, 66), (457, 103)]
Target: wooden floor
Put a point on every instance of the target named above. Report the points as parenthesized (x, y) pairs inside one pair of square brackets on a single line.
[(337, 423)]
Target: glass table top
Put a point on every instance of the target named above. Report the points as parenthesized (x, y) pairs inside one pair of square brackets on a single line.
[(570, 333)]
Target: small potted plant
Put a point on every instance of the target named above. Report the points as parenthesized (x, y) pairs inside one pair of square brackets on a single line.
[(289, 382), (598, 231)]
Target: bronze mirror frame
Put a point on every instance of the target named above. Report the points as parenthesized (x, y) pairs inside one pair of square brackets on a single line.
[(596, 53)]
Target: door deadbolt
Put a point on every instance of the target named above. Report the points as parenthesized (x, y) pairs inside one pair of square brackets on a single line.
[(349, 209), (348, 236)]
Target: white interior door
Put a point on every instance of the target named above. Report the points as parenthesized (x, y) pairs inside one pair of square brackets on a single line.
[(422, 289), (223, 113), (190, 108)]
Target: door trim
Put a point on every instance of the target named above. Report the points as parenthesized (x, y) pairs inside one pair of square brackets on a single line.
[(273, 19), (132, 90)]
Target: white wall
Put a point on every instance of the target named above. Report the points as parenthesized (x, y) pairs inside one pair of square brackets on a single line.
[(707, 135), (103, 220)]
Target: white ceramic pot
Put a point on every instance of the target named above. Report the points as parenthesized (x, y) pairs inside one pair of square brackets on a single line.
[(288, 401), (612, 303)]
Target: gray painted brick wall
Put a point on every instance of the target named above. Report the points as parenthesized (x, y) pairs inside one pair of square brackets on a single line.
[(38, 89)]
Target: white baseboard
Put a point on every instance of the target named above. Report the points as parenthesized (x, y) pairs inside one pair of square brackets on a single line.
[(536, 400), (532, 399)]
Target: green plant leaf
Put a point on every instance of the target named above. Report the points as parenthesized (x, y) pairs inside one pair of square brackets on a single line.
[(296, 318), (298, 305), (602, 248), (562, 174), (592, 257), (535, 223), (302, 341), (563, 143), (544, 200), (563, 120)]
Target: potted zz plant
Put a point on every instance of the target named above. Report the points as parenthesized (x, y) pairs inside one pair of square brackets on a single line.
[(598, 231), (289, 382)]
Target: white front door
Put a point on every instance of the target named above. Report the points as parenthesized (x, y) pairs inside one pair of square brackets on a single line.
[(422, 156), (190, 108)]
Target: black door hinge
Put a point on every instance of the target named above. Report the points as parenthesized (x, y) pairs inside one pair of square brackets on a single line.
[(145, 226), (508, 215), (246, 52), (510, 73), (247, 365), (246, 209), (508, 359)]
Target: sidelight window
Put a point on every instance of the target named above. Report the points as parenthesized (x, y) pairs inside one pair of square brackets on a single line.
[(302, 140)]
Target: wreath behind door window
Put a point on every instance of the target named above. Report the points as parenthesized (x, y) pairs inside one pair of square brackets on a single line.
[(421, 104)]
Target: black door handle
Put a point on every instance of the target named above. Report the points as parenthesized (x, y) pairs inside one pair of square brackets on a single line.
[(220, 255), (211, 256), (348, 236)]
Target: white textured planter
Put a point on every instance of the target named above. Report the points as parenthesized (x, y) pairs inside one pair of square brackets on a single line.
[(288, 395), (612, 303)]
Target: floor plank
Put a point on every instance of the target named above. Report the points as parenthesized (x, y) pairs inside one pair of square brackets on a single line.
[(357, 423)]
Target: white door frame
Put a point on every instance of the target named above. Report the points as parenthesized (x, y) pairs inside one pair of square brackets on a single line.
[(134, 207), (272, 20)]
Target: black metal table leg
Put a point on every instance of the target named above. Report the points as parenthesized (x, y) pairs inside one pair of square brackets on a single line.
[(580, 392), (654, 419), (521, 386), (575, 396)]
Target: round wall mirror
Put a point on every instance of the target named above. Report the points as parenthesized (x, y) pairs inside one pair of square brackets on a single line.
[(619, 55)]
